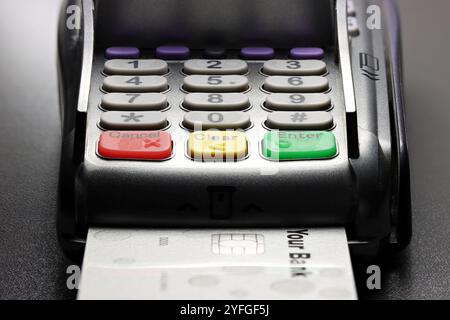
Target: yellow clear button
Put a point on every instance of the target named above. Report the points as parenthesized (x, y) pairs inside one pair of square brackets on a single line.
[(217, 145)]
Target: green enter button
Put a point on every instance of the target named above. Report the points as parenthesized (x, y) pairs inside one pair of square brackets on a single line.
[(299, 145)]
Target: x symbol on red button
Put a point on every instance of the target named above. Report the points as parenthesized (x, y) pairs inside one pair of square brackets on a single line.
[(152, 143)]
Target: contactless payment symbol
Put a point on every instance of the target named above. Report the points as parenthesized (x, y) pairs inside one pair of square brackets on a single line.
[(237, 244)]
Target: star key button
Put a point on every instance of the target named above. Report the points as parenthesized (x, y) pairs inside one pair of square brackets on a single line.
[(135, 145)]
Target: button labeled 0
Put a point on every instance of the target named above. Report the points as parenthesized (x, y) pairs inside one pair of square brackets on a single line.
[(199, 120)]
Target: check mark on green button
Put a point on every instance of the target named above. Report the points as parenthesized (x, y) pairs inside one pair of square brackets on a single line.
[(299, 145)]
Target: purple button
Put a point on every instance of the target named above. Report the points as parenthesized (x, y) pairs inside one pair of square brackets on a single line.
[(173, 52), (257, 53), (307, 53), (122, 53)]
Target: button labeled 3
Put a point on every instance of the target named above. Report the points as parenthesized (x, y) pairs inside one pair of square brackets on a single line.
[(294, 67), (217, 145)]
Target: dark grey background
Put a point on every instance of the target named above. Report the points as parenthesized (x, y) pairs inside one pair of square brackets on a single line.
[(31, 264)]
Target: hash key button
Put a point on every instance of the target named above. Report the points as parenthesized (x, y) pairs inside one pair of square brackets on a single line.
[(319, 120), (135, 145), (146, 120), (299, 145)]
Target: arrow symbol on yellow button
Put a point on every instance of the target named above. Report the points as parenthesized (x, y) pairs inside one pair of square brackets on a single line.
[(218, 146)]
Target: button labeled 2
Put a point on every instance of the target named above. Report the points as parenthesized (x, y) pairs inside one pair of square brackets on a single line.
[(135, 145), (299, 145)]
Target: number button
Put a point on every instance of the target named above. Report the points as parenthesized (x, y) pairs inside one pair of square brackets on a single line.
[(136, 67), (134, 101), (216, 101), (211, 67), (146, 120), (205, 83), (296, 84), (297, 102), (294, 67), (319, 120), (199, 120), (135, 84)]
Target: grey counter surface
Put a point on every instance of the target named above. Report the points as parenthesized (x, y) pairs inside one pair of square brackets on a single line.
[(33, 267)]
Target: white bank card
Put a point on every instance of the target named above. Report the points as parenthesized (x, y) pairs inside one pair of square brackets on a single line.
[(251, 264)]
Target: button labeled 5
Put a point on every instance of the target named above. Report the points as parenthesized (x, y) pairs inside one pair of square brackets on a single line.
[(205, 83)]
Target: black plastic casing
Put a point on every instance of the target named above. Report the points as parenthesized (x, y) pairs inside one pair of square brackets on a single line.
[(367, 191)]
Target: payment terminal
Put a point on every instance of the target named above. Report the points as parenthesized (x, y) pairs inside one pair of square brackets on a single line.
[(233, 114)]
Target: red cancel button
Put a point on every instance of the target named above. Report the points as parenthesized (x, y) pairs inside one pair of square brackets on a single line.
[(138, 145)]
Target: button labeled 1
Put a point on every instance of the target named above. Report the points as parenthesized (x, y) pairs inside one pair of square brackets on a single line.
[(205, 83), (217, 146), (135, 145), (136, 67)]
